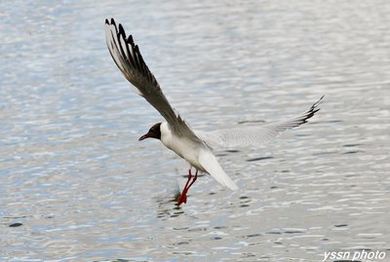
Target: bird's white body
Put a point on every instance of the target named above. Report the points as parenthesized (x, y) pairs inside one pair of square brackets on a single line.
[(196, 153), (182, 146)]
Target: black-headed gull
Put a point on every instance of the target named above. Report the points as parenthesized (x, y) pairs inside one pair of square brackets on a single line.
[(174, 133)]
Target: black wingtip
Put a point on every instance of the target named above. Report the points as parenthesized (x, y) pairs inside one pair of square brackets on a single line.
[(314, 108), (113, 22), (315, 111), (319, 101), (130, 40), (122, 31), (310, 113)]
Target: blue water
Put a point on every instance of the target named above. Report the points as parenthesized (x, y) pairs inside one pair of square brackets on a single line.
[(73, 174)]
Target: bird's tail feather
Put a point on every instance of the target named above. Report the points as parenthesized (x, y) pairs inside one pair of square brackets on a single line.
[(210, 163)]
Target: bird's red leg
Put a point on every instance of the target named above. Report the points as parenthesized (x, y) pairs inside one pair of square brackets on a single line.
[(189, 178), (193, 181), (183, 195)]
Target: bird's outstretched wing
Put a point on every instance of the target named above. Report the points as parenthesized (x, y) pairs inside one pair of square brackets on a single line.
[(242, 136), (128, 58)]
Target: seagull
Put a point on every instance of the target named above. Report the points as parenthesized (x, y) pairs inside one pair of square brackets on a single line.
[(196, 147)]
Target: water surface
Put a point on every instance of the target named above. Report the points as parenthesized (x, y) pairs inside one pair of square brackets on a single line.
[(76, 185)]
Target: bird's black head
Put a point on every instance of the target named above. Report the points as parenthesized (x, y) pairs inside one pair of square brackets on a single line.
[(154, 132)]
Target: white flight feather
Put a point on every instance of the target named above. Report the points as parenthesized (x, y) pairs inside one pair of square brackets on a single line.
[(210, 163)]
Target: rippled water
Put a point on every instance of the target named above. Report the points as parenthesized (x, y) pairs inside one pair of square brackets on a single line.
[(75, 184)]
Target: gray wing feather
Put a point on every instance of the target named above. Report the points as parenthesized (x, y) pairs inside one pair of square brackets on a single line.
[(254, 135), (128, 58)]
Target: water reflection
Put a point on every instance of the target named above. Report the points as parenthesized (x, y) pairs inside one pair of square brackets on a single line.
[(168, 208)]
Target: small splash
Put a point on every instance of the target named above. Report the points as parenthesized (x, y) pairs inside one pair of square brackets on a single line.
[(165, 207)]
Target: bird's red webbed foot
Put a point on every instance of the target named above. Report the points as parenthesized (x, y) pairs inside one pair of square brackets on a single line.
[(183, 196)]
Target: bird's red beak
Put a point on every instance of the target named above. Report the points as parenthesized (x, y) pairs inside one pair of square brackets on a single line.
[(144, 137)]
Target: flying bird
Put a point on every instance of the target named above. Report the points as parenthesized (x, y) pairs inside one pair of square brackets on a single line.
[(195, 147)]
